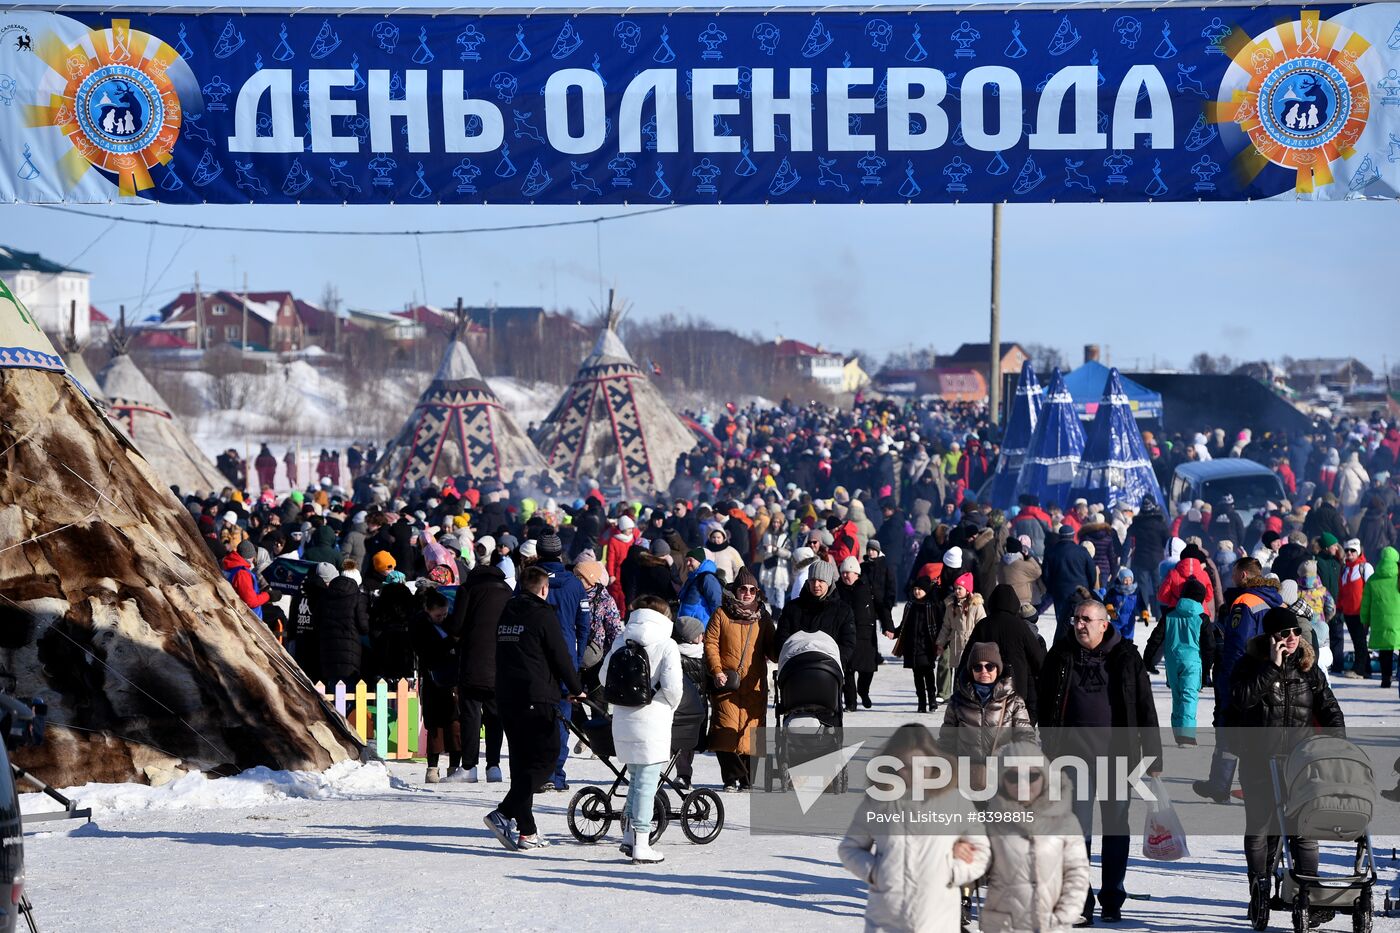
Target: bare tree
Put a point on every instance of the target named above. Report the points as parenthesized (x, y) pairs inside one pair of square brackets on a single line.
[(1046, 357)]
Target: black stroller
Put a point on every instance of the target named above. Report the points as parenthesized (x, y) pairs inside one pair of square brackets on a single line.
[(808, 705), (1324, 789), (593, 809)]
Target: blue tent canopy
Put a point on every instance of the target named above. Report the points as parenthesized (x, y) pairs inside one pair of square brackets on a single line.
[(1116, 468), (1020, 425), (1087, 385), (1055, 449)]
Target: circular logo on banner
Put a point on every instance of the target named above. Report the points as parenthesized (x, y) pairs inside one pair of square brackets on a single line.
[(1303, 103), (118, 106), (1301, 100), (119, 109)]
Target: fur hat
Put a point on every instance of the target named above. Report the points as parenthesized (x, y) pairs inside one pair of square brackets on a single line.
[(823, 570), (850, 565)]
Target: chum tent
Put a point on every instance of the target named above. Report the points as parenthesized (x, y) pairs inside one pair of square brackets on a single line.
[(115, 611), (1055, 448), (1115, 467), (1088, 383), (612, 423), (1020, 425), (137, 408), (459, 427)]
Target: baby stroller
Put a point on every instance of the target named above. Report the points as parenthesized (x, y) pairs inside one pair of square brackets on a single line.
[(808, 704), (1324, 789), (593, 809)]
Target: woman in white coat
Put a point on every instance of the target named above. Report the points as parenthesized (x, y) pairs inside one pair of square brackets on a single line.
[(914, 875), (642, 734), (1039, 877)]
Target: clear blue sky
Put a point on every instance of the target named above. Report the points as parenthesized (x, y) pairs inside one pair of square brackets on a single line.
[(1153, 281)]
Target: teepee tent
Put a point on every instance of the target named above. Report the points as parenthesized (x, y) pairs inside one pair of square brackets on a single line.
[(1020, 425), (459, 427), (113, 610), (78, 370), (136, 407), (1115, 467), (612, 423), (1055, 448)]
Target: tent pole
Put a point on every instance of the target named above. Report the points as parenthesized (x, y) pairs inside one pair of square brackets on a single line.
[(994, 370)]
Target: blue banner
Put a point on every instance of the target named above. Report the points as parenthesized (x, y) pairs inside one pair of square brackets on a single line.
[(881, 106)]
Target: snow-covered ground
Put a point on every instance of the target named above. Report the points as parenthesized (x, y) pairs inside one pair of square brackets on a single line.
[(354, 850)]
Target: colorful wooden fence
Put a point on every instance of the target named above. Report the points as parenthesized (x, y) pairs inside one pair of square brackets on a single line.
[(384, 717)]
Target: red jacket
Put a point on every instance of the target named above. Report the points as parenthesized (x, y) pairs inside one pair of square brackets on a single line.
[(1169, 593), (243, 583), (617, 544), (847, 543), (1355, 573)]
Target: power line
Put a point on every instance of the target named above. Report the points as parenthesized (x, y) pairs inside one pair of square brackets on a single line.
[(462, 231)]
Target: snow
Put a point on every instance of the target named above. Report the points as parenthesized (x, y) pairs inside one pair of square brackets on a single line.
[(363, 845)]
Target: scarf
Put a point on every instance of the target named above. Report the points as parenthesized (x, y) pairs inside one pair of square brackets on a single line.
[(983, 691), (738, 612)]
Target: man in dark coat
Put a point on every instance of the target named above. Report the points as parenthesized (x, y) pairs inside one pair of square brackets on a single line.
[(341, 620), (1324, 518), (1290, 557), (878, 572), (588, 530), (816, 609), (436, 651), (893, 537), (532, 661), (1095, 701), (647, 572), (574, 616), (1068, 566), (684, 523), (856, 592), (1021, 650), (480, 601), (1146, 543)]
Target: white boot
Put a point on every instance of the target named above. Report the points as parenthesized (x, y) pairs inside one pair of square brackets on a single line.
[(644, 854), (629, 839)]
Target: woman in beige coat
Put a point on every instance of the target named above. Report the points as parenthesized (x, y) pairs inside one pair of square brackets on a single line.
[(1040, 869), (739, 640), (962, 610), (914, 874)]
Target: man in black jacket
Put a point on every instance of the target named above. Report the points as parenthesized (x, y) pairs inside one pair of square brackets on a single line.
[(532, 660), (1068, 566), (1147, 543), (816, 609), (1095, 701), (475, 616)]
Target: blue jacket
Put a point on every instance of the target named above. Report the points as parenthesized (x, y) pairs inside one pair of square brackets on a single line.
[(1181, 640), (1067, 565), (702, 592), (566, 595), (1243, 621), (1127, 606)]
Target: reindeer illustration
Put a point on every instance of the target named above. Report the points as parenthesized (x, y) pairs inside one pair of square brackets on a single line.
[(829, 176), (341, 177), (1074, 178), (1394, 155), (524, 129), (1186, 83), (246, 178)]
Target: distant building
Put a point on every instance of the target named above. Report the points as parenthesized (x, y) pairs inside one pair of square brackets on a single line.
[(100, 326), (853, 376), (272, 319), (1340, 374), (50, 291), (823, 367), (978, 356), (528, 320), (953, 384)]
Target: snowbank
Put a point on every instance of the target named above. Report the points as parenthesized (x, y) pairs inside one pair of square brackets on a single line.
[(252, 788)]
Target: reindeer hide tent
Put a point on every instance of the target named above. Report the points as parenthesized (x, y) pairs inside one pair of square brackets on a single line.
[(113, 610)]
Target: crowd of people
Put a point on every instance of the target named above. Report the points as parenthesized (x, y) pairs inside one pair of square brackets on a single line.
[(510, 603)]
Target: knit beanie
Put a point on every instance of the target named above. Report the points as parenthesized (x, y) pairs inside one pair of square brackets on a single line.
[(697, 554), (659, 548), (986, 651), (591, 572), (1328, 539), (246, 550), (745, 577), (953, 558), (528, 549), (550, 547), (823, 570), (383, 562), (687, 630), (1278, 619), (850, 565), (1193, 589), (326, 572), (964, 581)]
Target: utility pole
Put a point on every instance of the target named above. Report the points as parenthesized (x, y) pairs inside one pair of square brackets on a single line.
[(198, 315), (994, 389), (244, 348)]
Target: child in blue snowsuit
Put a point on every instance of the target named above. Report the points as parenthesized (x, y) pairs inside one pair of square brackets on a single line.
[(1181, 647), (1123, 603)]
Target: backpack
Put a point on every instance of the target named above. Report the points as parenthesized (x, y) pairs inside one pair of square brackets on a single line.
[(628, 681)]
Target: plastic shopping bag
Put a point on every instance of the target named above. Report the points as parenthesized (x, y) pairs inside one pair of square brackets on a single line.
[(1163, 838)]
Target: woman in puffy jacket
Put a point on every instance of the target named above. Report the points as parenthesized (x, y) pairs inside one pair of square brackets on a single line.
[(985, 711), (1039, 878), (914, 877), (916, 637)]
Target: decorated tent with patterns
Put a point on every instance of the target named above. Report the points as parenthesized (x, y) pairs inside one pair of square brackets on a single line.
[(1020, 425), (1116, 467), (114, 611), (612, 423), (458, 428), (137, 408), (1055, 449)]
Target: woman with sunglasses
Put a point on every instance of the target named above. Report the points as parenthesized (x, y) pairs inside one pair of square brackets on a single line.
[(985, 711), (1038, 877), (1278, 689), (739, 642)]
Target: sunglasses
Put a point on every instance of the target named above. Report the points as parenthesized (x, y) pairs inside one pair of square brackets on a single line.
[(1088, 619), (980, 666), (1288, 633), (748, 589)]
